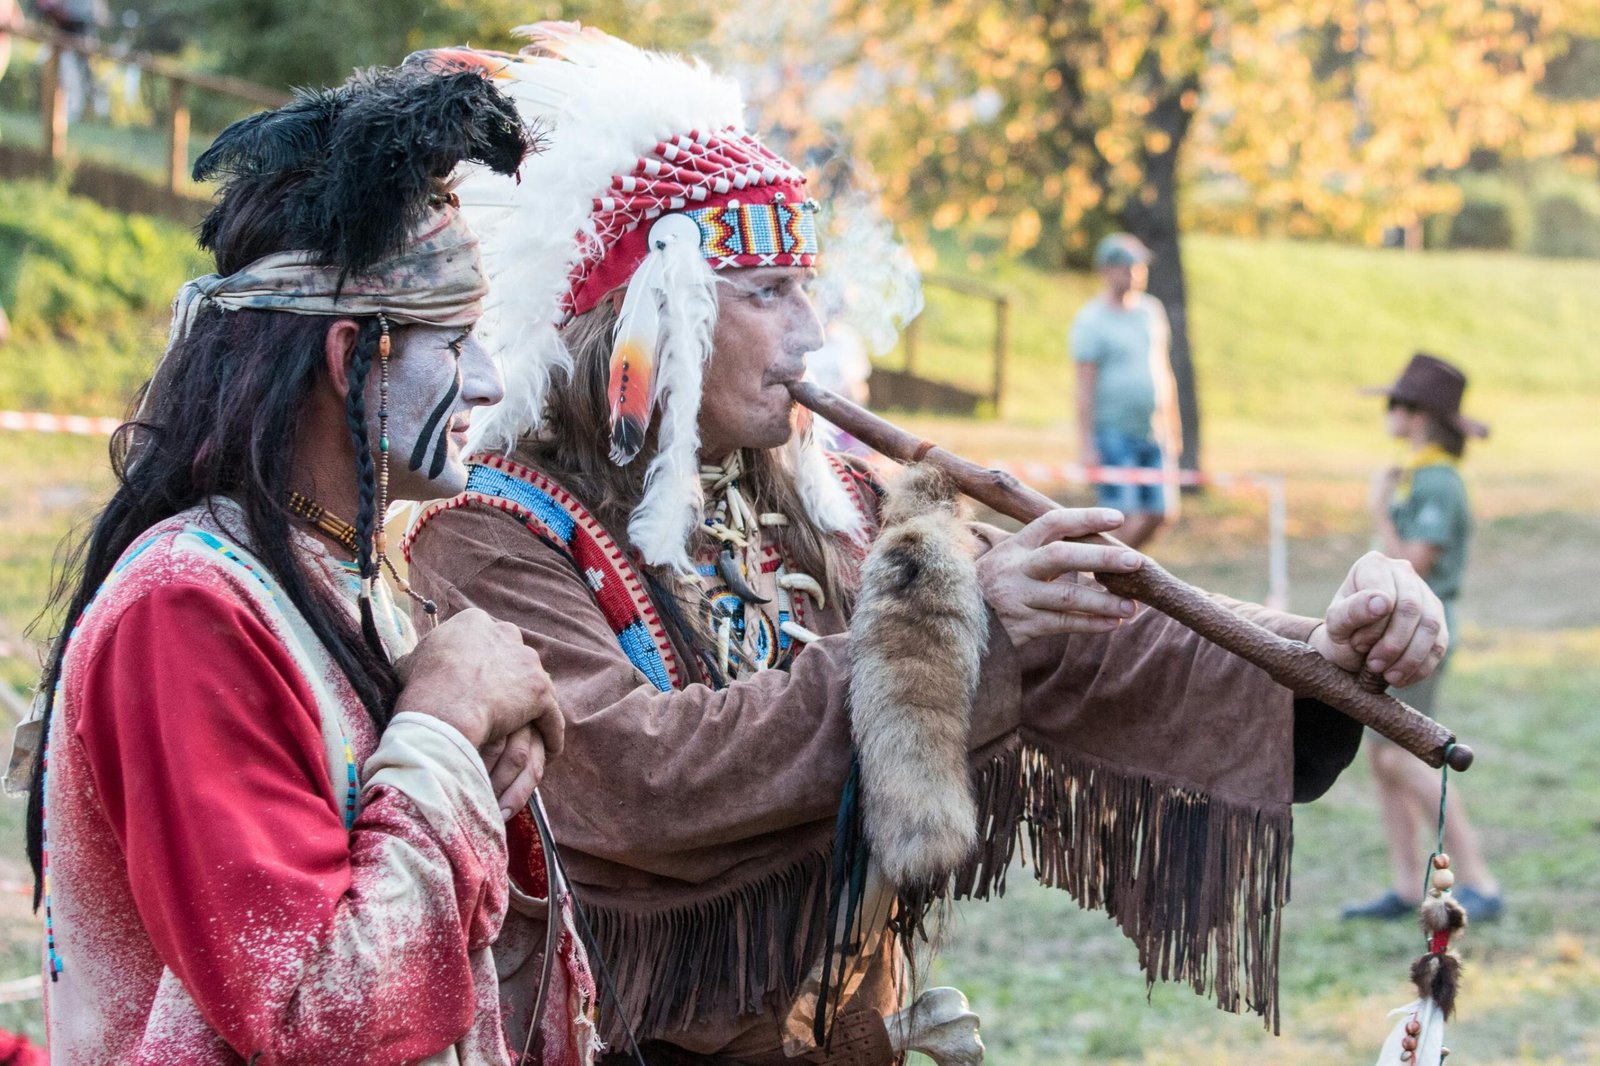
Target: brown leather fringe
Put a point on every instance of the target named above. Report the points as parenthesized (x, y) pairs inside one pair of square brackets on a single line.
[(1198, 883), (722, 956)]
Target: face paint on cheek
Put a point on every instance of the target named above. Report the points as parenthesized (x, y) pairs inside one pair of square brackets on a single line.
[(426, 435), (441, 452)]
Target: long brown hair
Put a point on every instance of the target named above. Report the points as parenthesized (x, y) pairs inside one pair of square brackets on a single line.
[(574, 451)]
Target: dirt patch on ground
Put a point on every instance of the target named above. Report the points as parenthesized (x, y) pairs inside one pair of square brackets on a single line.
[(1531, 571)]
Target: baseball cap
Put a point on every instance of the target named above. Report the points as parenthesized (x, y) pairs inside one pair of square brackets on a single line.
[(1120, 249)]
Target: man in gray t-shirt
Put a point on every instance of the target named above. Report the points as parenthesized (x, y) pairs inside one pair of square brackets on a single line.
[(1127, 401)]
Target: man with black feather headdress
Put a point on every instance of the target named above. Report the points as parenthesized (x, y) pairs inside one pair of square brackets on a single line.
[(262, 830)]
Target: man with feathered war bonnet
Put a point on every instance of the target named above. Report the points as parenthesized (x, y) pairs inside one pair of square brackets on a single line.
[(262, 831), (743, 631)]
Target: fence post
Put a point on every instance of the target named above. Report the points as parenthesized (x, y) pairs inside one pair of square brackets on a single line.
[(53, 106), (912, 330), (1277, 543), (177, 137), (1002, 341)]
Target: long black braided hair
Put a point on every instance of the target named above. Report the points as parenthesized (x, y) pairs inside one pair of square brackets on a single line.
[(367, 517), (344, 174)]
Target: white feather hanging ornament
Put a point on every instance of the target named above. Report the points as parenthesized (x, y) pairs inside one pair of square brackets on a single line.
[(632, 390), (686, 288), (1418, 1038)]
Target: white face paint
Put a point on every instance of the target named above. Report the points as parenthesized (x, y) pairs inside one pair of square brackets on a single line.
[(436, 377)]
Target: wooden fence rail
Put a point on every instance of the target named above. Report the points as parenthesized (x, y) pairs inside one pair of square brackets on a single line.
[(1001, 302), (179, 80)]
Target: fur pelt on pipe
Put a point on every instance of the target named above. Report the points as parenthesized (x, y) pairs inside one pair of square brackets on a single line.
[(916, 638)]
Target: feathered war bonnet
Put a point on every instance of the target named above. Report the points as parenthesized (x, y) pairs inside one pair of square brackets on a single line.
[(651, 182)]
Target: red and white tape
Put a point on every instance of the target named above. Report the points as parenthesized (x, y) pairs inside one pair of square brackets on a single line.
[(1074, 473), (1033, 472), (40, 422)]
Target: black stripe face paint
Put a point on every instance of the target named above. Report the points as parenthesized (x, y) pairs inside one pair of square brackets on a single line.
[(426, 435), (441, 452)]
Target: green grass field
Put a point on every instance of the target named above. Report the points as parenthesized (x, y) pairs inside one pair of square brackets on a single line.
[(1285, 334)]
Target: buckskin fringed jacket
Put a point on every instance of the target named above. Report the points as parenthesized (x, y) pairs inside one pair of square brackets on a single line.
[(1150, 772)]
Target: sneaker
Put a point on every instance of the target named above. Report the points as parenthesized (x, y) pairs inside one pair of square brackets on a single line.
[(1386, 908), (1480, 908)]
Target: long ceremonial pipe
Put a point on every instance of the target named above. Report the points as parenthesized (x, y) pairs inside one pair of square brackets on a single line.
[(1291, 663)]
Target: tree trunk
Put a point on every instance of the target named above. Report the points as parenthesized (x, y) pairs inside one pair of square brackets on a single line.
[(1152, 216)]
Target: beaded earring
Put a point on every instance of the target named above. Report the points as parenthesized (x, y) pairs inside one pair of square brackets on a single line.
[(381, 536)]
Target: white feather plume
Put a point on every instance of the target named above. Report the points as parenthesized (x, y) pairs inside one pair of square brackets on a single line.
[(826, 500), (673, 501), (1430, 1038)]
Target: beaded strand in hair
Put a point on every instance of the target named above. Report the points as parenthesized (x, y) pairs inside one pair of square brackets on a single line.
[(382, 535)]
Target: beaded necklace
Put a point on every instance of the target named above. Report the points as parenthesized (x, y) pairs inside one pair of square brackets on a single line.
[(733, 609)]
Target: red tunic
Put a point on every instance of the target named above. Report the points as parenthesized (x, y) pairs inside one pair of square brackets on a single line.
[(208, 904)]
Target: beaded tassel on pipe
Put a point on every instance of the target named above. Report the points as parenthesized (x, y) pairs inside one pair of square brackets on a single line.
[(1418, 1038)]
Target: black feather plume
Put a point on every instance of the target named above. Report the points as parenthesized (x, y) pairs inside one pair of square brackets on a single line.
[(352, 169), (397, 139), (289, 139)]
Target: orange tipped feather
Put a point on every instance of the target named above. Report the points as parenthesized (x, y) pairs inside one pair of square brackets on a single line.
[(632, 371), (456, 60)]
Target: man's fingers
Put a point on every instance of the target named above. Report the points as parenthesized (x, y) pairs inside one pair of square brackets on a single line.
[(490, 752), (1421, 654), (512, 759), (550, 723), (1397, 636), (1067, 522), (1050, 624), (1050, 561), (1360, 614), (1070, 597), (517, 794)]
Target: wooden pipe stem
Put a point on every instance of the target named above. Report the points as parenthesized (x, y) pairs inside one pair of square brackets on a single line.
[(1295, 665)]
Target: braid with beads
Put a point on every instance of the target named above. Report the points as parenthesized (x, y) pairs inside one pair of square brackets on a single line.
[(343, 175), (367, 517)]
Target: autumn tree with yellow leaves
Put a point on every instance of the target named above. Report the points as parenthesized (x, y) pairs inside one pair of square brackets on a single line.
[(1051, 121)]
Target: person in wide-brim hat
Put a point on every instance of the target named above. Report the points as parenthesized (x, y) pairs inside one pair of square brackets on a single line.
[(1430, 384), (1421, 514)]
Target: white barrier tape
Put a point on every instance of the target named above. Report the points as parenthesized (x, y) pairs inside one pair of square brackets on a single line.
[(88, 425), (1076, 474), (22, 989), (40, 422)]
